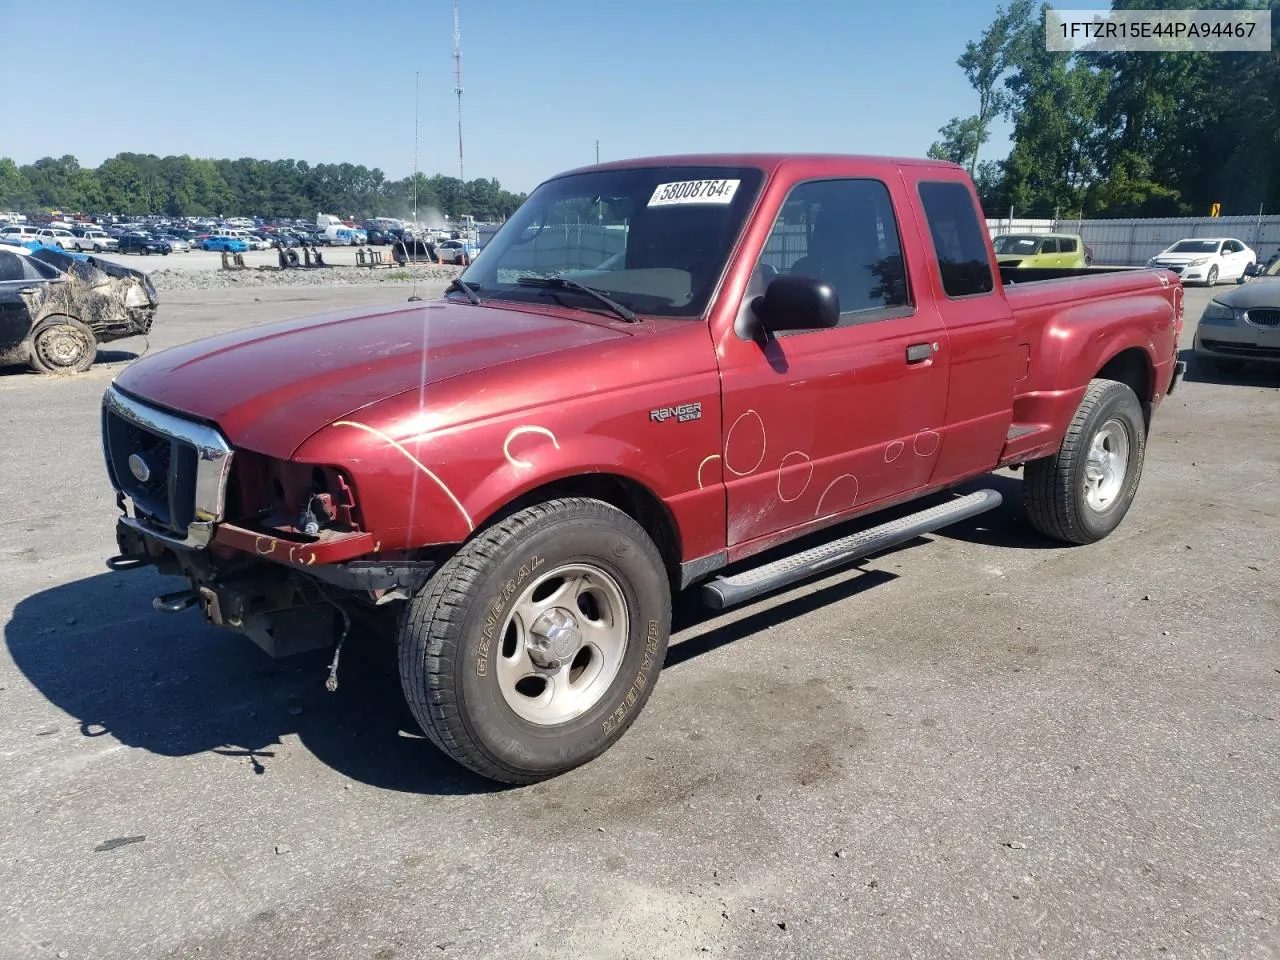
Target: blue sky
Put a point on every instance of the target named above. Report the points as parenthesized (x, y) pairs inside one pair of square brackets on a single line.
[(333, 80)]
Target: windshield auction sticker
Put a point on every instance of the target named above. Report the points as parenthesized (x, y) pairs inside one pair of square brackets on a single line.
[(1157, 31), (694, 191)]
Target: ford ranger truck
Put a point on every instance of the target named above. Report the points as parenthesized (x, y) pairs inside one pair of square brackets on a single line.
[(654, 372)]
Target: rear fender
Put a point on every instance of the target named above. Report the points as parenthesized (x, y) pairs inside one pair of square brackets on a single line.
[(1077, 343)]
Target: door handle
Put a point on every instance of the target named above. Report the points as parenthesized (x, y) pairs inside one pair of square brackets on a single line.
[(919, 352)]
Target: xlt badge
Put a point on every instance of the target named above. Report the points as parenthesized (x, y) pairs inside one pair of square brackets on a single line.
[(682, 412)]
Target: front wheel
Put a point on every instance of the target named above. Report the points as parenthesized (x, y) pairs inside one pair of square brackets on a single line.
[(532, 650), (63, 345), (1082, 492), (1212, 279)]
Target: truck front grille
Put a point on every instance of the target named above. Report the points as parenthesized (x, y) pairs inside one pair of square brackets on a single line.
[(165, 491), (174, 470)]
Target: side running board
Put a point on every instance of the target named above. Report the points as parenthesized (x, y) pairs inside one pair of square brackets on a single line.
[(722, 592)]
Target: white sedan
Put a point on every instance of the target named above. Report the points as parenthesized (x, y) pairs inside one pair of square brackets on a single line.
[(1206, 260), (56, 237)]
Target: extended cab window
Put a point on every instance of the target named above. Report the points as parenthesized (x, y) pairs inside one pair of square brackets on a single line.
[(844, 233), (959, 240)]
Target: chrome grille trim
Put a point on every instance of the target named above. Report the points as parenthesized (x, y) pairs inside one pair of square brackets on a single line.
[(213, 456)]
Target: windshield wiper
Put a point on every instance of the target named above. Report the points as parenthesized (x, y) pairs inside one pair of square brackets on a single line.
[(564, 283), (466, 288)]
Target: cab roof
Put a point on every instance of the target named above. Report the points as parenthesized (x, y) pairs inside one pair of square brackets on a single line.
[(770, 163)]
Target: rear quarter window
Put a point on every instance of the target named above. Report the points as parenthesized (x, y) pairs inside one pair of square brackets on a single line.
[(959, 240)]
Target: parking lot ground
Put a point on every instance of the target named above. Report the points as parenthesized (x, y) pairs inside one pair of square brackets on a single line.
[(979, 746)]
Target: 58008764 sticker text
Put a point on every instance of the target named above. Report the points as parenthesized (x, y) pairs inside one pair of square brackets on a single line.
[(694, 191)]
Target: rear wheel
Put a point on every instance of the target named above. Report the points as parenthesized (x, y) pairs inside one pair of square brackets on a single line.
[(1082, 492), (532, 650), (63, 345)]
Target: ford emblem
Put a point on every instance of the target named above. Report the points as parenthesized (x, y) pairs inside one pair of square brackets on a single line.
[(138, 467)]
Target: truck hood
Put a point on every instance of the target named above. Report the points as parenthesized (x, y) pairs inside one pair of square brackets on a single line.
[(269, 388)]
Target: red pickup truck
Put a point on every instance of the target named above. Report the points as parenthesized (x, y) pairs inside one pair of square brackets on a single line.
[(654, 372)]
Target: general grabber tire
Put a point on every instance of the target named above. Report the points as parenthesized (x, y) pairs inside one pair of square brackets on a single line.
[(1081, 493), (532, 650)]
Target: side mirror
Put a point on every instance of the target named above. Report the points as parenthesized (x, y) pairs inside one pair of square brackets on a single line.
[(796, 303)]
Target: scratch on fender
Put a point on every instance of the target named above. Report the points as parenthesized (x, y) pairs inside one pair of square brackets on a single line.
[(705, 461), (530, 428), (416, 462)]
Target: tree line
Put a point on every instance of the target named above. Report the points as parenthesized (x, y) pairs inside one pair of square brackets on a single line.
[(1119, 134), (135, 184)]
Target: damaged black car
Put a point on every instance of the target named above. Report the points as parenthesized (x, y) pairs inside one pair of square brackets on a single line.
[(56, 307)]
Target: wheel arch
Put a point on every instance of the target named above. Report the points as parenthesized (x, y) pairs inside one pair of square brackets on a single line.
[(625, 493), (1133, 367)]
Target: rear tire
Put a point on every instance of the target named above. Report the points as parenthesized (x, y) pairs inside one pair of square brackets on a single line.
[(63, 346), (1081, 493), (475, 642)]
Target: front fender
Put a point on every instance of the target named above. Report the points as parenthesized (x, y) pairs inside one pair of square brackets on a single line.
[(440, 488)]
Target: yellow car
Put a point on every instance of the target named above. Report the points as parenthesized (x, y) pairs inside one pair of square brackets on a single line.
[(1041, 250)]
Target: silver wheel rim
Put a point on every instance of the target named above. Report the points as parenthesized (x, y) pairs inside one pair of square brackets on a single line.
[(1106, 466), (562, 644)]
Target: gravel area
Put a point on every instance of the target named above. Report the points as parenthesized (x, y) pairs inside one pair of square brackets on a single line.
[(167, 281)]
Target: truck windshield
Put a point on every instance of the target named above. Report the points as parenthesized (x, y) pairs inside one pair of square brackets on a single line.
[(654, 239)]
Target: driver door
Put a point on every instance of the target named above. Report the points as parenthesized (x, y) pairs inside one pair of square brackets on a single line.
[(827, 422)]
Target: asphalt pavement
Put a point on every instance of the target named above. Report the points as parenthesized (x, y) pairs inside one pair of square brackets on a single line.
[(982, 745)]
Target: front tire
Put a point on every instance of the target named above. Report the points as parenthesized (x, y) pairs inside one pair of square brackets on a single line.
[(1212, 279), (533, 649), (1081, 493), (63, 346)]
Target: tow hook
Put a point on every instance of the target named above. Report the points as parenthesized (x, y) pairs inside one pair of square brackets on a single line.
[(175, 602)]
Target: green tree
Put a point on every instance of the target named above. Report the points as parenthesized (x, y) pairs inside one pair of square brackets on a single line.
[(16, 191), (985, 63)]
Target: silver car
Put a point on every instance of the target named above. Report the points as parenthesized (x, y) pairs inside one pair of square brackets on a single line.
[(1242, 324)]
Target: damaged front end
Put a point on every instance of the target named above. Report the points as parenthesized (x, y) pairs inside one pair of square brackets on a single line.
[(270, 549), (113, 301)]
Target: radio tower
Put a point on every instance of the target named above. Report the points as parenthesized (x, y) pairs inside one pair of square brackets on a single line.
[(457, 84)]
